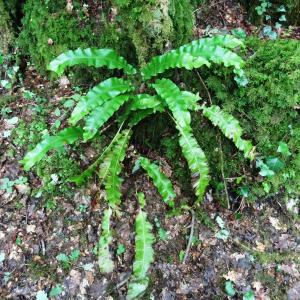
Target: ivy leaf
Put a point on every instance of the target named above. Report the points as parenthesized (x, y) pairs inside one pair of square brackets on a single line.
[(267, 17), (283, 148), (56, 291), (229, 288), (281, 8), (244, 191), (265, 171), (275, 164), (269, 32), (249, 295), (239, 33), (282, 18)]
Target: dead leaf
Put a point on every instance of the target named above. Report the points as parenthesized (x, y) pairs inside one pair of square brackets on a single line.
[(30, 228), (276, 224), (260, 247)]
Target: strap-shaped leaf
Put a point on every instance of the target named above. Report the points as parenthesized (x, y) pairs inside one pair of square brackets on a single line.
[(111, 168), (81, 178), (144, 101), (66, 136), (98, 95), (101, 114), (141, 102), (230, 128), (179, 102), (195, 54), (160, 180), (144, 240), (197, 162), (90, 57), (105, 262), (140, 115)]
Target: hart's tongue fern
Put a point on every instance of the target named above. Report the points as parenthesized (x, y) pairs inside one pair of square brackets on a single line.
[(121, 96)]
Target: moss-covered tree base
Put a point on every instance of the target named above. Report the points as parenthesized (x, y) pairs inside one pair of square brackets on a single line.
[(6, 31)]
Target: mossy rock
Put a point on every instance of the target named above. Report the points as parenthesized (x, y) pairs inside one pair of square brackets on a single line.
[(135, 29), (155, 26), (6, 31)]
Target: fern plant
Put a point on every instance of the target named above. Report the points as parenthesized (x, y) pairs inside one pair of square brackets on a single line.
[(107, 98)]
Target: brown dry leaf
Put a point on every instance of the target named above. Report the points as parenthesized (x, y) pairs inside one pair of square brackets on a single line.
[(276, 224), (30, 228), (69, 6), (260, 247), (291, 269), (237, 256), (257, 285), (232, 276)]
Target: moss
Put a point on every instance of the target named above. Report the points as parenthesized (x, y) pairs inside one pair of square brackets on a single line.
[(49, 30), (54, 172), (154, 26), (6, 31), (58, 166), (266, 107), (136, 29)]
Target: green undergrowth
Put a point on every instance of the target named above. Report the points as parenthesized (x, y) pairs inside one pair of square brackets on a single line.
[(268, 109), (53, 171)]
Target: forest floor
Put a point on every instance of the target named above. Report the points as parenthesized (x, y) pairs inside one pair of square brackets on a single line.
[(255, 249)]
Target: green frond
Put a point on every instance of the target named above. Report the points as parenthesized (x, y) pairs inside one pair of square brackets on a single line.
[(140, 102), (90, 57), (160, 180), (179, 102), (197, 53), (197, 162), (101, 114), (140, 115), (105, 262), (144, 101), (144, 240), (66, 136), (97, 96), (230, 128), (81, 178), (111, 167)]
